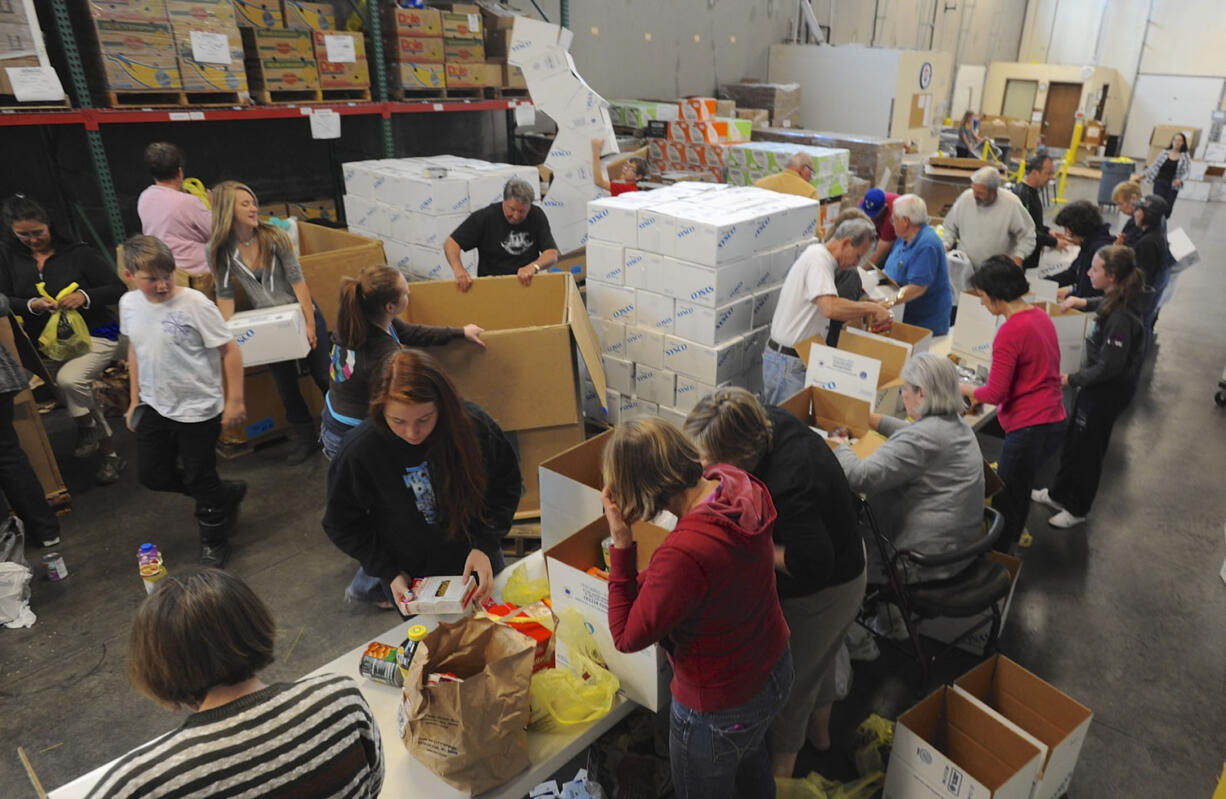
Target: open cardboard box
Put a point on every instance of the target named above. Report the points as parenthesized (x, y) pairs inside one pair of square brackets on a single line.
[(326, 255), (893, 352), (950, 746), (945, 629), (570, 484), (1019, 698), (846, 372), (527, 376), (643, 674), (1070, 333), (828, 409)]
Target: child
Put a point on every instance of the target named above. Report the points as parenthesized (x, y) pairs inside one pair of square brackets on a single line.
[(178, 348)]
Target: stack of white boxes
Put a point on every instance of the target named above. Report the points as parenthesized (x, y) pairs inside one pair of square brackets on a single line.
[(414, 204), (682, 283), (749, 162)]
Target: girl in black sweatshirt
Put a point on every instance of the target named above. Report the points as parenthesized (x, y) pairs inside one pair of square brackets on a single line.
[(1106, 383), (426, 486)]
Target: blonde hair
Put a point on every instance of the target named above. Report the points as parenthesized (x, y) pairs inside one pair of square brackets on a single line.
[(223, 198), (730, 426), (646, 463), (1127, 190)]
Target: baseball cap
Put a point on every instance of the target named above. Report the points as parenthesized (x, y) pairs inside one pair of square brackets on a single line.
[(1152, 202), (873, 202)]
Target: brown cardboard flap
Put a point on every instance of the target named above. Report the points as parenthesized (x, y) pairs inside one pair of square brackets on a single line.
[(989, 751), (537, 446), (892, 354), (585, 339), (34, 442), (1036, 706), (494, 303), (582, 462), (814, 405), (582, 550), (327, 255)]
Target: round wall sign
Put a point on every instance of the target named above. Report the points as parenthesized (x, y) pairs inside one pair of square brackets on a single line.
[(926, 75)]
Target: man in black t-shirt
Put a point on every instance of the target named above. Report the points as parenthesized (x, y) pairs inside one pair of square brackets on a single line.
[(512, 238), (1039, 170)]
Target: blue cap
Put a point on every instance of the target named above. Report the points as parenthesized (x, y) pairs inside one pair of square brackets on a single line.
[(873, 202)]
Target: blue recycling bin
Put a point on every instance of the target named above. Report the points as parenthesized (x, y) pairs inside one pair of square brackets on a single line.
[(1115, 171)]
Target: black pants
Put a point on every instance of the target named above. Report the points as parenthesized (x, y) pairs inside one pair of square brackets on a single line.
[(1021, 456), (180, 457), (317, 362), (1085, 444), (1168, 192), (20, 485)]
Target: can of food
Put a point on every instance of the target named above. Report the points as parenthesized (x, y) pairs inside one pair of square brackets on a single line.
[(605, 546), (56, 568), (379, 664)]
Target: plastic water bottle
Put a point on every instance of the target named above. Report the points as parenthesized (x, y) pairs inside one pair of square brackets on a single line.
[(149, 560)]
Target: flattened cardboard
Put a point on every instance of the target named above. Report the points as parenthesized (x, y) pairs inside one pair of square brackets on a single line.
[(1042, 710)]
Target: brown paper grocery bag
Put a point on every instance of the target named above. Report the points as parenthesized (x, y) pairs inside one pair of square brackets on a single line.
[(473, 734)]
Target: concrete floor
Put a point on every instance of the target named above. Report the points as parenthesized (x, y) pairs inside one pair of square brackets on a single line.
[(1126, 614)]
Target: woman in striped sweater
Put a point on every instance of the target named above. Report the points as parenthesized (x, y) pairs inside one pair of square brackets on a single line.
[(1169, 170), (309, 739)]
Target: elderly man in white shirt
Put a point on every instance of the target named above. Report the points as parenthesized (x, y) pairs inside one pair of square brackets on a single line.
[(985, 221)]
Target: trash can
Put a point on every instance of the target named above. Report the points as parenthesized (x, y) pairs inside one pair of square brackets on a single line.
[(1115, 171)]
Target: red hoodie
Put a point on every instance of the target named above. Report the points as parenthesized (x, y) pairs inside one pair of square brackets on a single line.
[(709, 595)]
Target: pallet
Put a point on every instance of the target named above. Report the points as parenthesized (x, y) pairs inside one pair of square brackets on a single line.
[(9, 102), (506, 93), (229, 450), (521, 539), (60, 502), (176, 99), (302, 96), (467, 93)]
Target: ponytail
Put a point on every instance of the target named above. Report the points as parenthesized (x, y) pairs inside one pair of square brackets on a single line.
[(1120, 262), (362, 300)]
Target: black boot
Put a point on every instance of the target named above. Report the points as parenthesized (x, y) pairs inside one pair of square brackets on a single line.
[(234, 490), (214, 549), (305, 443)]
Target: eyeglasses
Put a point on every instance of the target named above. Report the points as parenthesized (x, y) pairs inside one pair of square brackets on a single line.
[(27, 235)]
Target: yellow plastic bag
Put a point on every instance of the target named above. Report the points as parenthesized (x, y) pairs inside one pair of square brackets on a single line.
[(66, 335), (194, 186), (579, 694), (522, 591), (871, 743), (815, 786)]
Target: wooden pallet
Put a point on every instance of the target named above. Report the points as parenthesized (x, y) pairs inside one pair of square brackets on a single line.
[(176, 99), (506, 93), (521, 539), (301, 96), (9, 102), (468, 93), (229, 450), (61, 502)]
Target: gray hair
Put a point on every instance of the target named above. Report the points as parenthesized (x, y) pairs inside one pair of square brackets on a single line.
[(912, 208), (859, 230), (986, 176), (936, 377), (798, 160), (519, 189)]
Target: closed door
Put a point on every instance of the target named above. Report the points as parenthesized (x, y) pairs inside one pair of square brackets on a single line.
[(1019, 99), (1060, 113)]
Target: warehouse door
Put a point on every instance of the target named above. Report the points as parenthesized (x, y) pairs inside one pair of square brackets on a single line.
[(1019, 98), (1060, 113)]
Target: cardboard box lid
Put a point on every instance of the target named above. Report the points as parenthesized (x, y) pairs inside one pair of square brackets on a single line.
[(984, 748), (891, 353), (814, 405), (582, 550), (581, 462)]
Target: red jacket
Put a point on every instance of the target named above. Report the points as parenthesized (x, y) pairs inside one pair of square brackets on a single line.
[(1024, 381), (709, 595)]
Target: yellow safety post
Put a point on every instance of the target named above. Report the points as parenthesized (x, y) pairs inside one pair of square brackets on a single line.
[(1069, 155), (1021, 167)]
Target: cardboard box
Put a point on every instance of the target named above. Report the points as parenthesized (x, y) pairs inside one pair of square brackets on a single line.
[(342, 74), (125, 9), (319, 210), (326, 255), (258, 13), (826, 409), (440, 595), (843, 372), (513, 77), (413, 21), (619, 374), (201, 14), (208, 76), (612, 337), (423, 76), (462, 75), (1021, 699), (302, 15), (643, 674), (712, 326), (526, 375), (1071, 329), (463, 25), (947, 629), (270, 335), (949, 746), (716, 364), (1182, 250), (645, 346), (265, 412), (289, 76), (416, 49), (653, 311), (280, 44), (654, 384), (464, 50), (892, 352), (1161, 136), (570, 484), (782, 100)]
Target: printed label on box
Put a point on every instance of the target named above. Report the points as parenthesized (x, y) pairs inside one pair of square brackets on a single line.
[(340, 49), (843, 373), (210, 48)]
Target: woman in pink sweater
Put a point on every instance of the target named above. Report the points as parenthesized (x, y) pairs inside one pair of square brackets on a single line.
[(1024, 385), (709, 596)]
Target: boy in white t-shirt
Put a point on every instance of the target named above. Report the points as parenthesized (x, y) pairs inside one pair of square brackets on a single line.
[(178, 346)]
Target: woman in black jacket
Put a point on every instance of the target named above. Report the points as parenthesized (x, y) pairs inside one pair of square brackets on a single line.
[(426, 486), (1084, 226), (1114, 351), (1151, 250), (37, 255)]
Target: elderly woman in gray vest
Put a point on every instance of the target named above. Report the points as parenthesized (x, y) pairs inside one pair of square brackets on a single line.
[(925, 483)]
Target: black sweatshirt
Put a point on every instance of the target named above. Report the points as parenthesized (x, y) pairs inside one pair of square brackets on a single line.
[(1078, 273), (71, 263), (817, 524), (1115, 346), (1043, 237), (1150, 249), (373, 513)]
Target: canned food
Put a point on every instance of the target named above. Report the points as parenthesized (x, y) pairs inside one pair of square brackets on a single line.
[(605, 546), (379, 664), (56, 568)]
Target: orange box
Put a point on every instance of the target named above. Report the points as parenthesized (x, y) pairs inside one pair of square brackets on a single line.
[(463, 75), (697, 109)]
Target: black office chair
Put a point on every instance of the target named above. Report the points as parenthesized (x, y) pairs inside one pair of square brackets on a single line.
[(980, 586)]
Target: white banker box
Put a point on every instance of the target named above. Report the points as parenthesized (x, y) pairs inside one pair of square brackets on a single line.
[(270, 335)]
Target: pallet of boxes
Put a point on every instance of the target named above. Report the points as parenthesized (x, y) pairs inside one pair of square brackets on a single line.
[(25, 70), (498, 21), (752, 161), (464, 52), (682, 285), (280, 61), (696, 142)]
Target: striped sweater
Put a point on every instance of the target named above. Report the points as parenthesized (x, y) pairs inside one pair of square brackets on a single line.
[(308, 739)]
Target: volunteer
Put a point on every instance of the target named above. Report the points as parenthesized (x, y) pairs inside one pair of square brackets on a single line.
[(925, 483), (796, 178), (633, 170), (1024, 385), (819, 553), (878, 205), (511, 237), (180, 219), (708, 596), (985, 221), (1038, 174), (1124, 195), (809, 300), (1152, 256), (1169, 170), (426, 486), (1084, 227), (199, 642), (917, 264), (259, 258), (38, 255), (1106, 383)]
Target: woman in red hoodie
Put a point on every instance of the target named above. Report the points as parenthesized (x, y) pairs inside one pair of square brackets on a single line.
[(709, 596)]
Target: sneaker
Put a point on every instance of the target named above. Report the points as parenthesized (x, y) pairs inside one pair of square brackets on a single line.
[(87, 441), (214, 555), (49, 542), (1065, 520), (1043, 497), (109, 470)]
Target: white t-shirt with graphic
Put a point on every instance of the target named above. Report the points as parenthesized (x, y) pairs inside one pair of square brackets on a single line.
[(177, 353)]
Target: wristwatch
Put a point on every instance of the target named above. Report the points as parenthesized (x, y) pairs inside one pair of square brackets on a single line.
[(536, 268)]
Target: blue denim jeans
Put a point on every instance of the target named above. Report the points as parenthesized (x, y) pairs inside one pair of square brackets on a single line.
[(331, 432), (1023, 453), (782, 376), (723, 753), (368, 588)]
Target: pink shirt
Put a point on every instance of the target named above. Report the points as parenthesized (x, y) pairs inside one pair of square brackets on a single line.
[(1024, 382), (179, 219)]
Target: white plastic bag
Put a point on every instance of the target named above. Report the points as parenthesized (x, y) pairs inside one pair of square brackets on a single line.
[(15, 576)]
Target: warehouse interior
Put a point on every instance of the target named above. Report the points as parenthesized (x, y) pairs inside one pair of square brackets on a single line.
[(1121, 615)]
